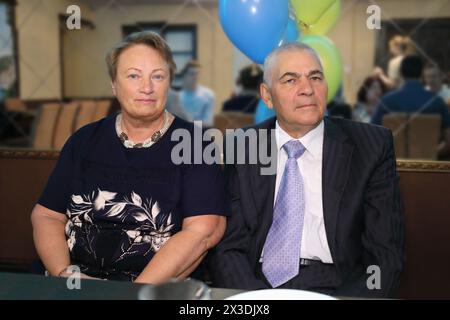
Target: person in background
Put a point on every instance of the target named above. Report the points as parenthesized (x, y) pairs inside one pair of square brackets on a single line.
[(197, 101), (369, 95), (399, 46), (413, 98), (173, 105), (246, 100), (434, 82)]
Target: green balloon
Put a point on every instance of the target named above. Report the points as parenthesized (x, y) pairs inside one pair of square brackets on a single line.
[(326, 21), (331, 61), (309, 11)]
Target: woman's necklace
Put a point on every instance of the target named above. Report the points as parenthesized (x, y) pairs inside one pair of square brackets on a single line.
[(146, 143)]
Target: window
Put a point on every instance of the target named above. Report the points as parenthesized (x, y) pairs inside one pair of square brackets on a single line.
[(9, 84), (182, 39)]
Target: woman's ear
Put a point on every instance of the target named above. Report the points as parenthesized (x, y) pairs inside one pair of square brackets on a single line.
[(113, 87), (266, 95)]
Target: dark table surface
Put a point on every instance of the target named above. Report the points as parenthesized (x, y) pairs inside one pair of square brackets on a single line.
[(28, 286)]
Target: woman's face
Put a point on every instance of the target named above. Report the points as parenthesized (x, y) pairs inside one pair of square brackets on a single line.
[(374, 92), (142, 82)]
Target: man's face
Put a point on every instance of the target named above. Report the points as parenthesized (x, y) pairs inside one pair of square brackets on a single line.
[(190, 78), (142, 82), (433, 79), (298, 90)]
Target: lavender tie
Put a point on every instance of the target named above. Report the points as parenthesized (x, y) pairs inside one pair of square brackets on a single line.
[(281, 253)]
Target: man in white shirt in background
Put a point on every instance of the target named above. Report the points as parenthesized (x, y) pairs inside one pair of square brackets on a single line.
[(433, 78)]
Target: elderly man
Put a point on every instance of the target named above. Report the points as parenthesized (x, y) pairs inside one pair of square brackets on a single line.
[(330, 219)]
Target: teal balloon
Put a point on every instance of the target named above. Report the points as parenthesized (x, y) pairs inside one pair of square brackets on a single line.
[(291, 34), (255, 27)]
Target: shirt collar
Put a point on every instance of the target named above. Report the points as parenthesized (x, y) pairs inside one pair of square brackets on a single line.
[(312, 141)]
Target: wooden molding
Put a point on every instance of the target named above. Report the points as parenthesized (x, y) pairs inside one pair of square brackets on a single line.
[(29, 154), (423, 165), (402, 165)]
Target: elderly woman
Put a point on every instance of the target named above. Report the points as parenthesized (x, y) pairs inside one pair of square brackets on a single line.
[(116, 205)]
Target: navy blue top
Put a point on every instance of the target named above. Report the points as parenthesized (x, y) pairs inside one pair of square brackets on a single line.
[(123, 204), (412, 97)]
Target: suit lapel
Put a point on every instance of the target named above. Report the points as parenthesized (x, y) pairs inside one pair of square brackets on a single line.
[(263, 186), (337, 154)]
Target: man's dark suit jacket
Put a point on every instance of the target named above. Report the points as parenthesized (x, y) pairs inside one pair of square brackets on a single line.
[(361, 206)]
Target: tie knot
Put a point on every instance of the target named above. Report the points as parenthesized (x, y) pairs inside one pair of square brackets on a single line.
[(294, 149)]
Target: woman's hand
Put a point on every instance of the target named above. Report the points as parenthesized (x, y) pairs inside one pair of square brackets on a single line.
[(66, 274)]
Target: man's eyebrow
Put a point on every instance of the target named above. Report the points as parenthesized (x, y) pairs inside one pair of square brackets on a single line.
[(290, 74), (314, 72), (133, 68)]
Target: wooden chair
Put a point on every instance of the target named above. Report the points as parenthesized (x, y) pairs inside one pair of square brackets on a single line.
[(102, 109), (232, 120), (398, 123), (85, 113), (44, 126), (65, 124), (416, 136), (424, 132)]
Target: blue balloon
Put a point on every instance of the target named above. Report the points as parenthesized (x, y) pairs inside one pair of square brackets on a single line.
[(255, 27), (263, 112), (291, 34)]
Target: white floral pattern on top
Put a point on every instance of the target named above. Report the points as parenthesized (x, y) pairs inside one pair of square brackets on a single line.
[(150, 231)]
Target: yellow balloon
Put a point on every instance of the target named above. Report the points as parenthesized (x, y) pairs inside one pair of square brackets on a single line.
[(309, 11), (326, 22), (331, 61)]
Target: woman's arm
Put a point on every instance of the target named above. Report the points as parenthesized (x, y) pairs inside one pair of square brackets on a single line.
[(50, 239), (184, 251)]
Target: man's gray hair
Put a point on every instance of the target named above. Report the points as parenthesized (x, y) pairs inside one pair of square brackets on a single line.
[(271, 59)]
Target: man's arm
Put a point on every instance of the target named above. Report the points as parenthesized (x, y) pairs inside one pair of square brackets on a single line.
[(383, 235), (184, 251), (379, 113), (230, 266)]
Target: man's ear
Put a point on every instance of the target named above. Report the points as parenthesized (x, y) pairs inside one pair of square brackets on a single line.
[(266, 95), (113, 87)]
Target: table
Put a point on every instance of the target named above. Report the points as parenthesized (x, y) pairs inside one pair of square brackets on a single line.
[(28, 286)]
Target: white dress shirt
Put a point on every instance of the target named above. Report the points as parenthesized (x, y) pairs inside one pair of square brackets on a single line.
[(314, 239)]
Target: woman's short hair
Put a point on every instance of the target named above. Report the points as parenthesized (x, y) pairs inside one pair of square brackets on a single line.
[(362, 92), (148, 38)]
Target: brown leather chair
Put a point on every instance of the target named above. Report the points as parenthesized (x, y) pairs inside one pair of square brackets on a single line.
[(416, 136), (85, 113), (398, 123), (424, 132), (44, 126), (65, 124), (102, 109)]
